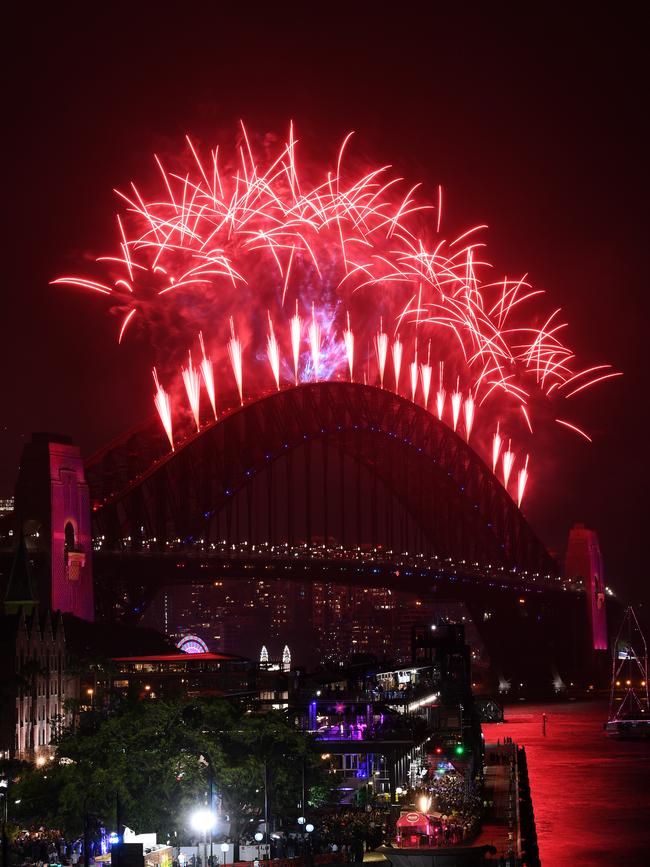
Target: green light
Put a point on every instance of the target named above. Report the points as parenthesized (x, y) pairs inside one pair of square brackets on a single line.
[(460, 749)]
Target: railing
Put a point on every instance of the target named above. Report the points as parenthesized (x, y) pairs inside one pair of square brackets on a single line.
[(376, 558), (299, 861), (370, 694)]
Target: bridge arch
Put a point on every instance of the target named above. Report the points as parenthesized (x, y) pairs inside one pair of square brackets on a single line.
[(332, 443)]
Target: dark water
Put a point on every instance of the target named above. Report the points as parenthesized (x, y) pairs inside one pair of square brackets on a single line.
[(591, 794)]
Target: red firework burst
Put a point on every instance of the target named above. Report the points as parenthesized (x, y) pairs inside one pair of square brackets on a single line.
[(248, 235)]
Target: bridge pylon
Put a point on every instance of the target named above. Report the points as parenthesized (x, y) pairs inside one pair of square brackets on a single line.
[(584, 560), (53, 510)]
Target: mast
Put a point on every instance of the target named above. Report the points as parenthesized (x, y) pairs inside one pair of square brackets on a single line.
[(629, 699)]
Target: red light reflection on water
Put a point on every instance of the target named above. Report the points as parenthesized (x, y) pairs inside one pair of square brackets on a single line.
[(591, 794)]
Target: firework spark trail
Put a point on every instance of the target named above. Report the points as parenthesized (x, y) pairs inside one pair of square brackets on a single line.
[(288, 272), (414, 371), (235, 355), (348, 341), (508, 461), (273, 353), (397, 361), (522, 480), (207, 372), (592, 382), (497, 442), (441, 394), (425, 373), (456, 399), (225, 233), (315, 342), (129, 316), (192, 380), (296, 332), (586, 372), (163, 405), (468, 411), (574, 428), (524, 412), (83, 283), (414, 379), (381, 350)]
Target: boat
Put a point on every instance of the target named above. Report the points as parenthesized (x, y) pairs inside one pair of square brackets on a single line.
[(629, 707)]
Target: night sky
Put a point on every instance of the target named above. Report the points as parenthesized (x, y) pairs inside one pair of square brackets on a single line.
[(533, 124)]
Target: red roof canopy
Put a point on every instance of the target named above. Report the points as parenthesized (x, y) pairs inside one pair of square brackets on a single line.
[(176, 657), (415, 821)]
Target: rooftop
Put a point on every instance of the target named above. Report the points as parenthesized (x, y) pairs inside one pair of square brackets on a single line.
[(180, 657)]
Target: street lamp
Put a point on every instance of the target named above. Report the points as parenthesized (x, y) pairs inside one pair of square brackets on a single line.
[(258, 839), (203, 820), (309, 855)]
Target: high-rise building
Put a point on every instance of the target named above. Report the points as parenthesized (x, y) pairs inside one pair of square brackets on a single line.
[(322, 623)]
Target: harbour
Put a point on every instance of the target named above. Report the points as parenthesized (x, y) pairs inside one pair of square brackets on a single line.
[(589, 792)]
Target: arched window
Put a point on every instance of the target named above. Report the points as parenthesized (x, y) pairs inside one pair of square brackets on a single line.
[(69, 537)]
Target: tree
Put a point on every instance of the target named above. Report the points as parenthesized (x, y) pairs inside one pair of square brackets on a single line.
[(158, 757)]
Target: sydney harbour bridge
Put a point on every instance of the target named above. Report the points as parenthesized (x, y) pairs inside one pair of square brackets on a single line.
[(343, 464), (327, 481)]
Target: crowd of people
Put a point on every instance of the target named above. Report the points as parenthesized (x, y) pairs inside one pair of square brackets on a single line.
[(355, 828), (343, 833), (42, 847), (461, 805), (458, 806)]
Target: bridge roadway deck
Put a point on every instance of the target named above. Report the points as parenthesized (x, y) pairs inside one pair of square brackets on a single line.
[(181, 567)]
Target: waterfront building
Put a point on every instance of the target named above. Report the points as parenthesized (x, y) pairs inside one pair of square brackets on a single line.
[(183, 675), (35, 684), (380, 727), (33, 669)]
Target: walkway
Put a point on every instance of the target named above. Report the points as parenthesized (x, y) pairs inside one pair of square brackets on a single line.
[(499, 825)]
